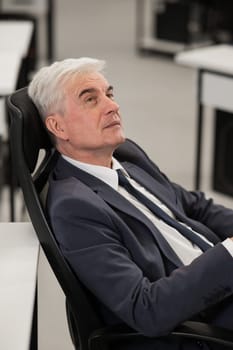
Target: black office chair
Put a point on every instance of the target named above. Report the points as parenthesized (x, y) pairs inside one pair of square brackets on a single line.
[(28, 137), (27, 66)]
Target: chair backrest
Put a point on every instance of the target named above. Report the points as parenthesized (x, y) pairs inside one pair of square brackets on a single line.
[(28, 137)]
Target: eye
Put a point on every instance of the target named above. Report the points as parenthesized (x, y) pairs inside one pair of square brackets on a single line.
[(110, 95), (91, 99)]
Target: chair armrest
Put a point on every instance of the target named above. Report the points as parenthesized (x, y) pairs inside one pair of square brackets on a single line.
[(205, 332), (192, 330)]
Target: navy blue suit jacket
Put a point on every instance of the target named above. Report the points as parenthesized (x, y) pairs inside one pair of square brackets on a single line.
[(123, 259)]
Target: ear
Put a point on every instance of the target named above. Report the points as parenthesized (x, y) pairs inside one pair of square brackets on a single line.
[(55, 124)]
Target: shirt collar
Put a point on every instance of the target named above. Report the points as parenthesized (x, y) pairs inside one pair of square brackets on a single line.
[(108, 175)]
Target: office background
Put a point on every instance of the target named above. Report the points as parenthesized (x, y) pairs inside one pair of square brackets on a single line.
[(158, 106)]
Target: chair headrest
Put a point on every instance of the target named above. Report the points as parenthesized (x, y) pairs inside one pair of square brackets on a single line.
[(34, 134)]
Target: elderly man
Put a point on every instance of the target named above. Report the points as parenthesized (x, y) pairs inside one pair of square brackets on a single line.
[(152, 253)]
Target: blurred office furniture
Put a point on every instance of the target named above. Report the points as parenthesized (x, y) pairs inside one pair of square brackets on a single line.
[(1, 165), (18, 55), (43, 12), (19, 253), (10, 63), (171, 26), (18, 37), (28, 138), (214, 66), (222, 180)]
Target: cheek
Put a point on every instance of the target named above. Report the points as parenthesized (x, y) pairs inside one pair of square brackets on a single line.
[(83, 126), (81, 131)]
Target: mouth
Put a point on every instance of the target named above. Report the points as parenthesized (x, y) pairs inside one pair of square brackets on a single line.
[(113, 124)]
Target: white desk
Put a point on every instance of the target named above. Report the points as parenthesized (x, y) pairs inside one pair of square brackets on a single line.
[(216, 58), (3, 124), (15, 36), (9, 71), (43, 11), (10, 63), (19, 251), (215, 85)]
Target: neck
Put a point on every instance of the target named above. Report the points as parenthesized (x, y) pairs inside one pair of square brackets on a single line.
[(94, 158)]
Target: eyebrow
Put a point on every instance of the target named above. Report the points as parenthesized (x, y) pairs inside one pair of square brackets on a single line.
[(91, 90)]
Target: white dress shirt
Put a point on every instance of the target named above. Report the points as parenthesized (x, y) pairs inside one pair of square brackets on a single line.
[(186, 250)]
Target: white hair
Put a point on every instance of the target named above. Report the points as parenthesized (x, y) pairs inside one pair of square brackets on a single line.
[(47, 88)]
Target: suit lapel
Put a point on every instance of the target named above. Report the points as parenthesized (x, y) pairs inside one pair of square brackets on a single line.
[(117, 201), (162, 192), (168, 197)]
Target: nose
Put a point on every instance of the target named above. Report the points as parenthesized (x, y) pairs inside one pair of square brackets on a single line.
[(111, 105)]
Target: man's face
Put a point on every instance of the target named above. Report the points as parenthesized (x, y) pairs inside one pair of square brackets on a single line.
[(91, 122)]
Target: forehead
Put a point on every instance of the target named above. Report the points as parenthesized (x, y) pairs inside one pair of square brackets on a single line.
[(86, 80)]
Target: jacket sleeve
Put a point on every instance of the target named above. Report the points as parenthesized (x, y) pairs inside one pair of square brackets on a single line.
[(91, 239), (215, 216)]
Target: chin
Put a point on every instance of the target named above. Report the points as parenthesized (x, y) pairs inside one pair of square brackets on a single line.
[(117, 142), (121, 139), (115, 139)]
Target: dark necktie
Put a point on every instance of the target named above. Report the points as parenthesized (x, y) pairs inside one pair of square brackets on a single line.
[(186, 232)]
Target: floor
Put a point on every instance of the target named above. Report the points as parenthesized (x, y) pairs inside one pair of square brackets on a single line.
[(157, 100)]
